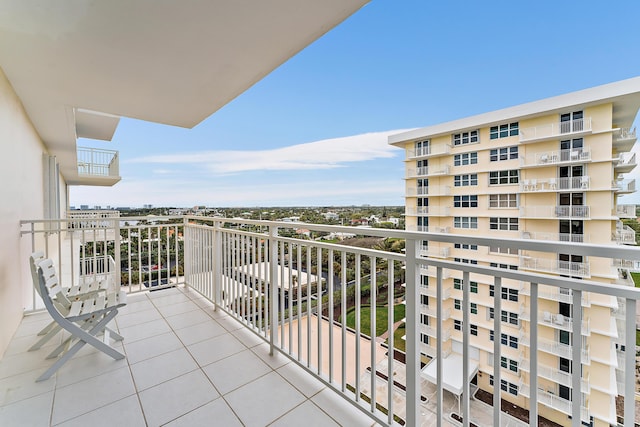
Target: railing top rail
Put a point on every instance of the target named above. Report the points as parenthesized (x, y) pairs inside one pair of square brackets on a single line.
[(97, 150)]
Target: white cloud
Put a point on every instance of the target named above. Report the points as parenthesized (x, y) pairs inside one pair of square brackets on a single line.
[(324, 154)]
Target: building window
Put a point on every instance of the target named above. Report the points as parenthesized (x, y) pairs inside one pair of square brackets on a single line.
[(491, 313), (470, 222), (457, 284), (473, 329), (491, 336), (503, 250), (457, 304), (474, 308), (463, 138), (505, 153), (466, 201), (509, 340), (424, 338), (504, 224), (466, 260), (465, 180), (465, 159), (509, 294), (457, 325), (424, 319), (492, 290), (505, 177), (509, 317), (505, 266), (424, 299), (509, 200), (465, 246), (503, 131)]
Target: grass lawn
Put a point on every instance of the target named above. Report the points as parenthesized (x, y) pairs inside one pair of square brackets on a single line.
[(398, 342), (381, 318), (636, 279)]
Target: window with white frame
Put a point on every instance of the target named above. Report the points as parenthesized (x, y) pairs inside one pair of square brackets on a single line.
[(505, 385), (473, 288), (457, 304), (469, 222), (504, 130), (507, 200), (503, 224), (463, 138), (465, 180), (473, 330), (503, 250), (504, 153), (474, 308), (424, 338), (465, 201), (505, 177), (509, 317), (510, 294), (505, 266), (465, 246), (465, 159), (466, 260), (457, 325)]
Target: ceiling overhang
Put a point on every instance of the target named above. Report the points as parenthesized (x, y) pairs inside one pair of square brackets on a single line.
[(78, 65)]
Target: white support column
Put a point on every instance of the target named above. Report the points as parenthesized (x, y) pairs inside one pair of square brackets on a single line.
[(533, 357), (273, 288), (465, 349), (217, 264), (576, 355), (412, 297), (439, 350), (497, 349), (629, 362)]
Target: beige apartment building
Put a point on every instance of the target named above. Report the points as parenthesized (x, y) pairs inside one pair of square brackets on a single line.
[(548, 170)]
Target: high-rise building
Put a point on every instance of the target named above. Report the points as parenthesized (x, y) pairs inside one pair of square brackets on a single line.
[(546, 170)]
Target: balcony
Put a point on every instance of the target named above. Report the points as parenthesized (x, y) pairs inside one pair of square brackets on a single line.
[(556, 237), (555, 184), (434, 252), (624, 235), (625, 162), (429, 151), (624, 186), (426, 171), (555, 266), (623, 139), (553, 401), (97, 167), (431, 311), (555, 212), (556, 157), (435, 190), (568, 129), (625, 211), (562, 350), (428, 211), (429, 229), (224, 296)]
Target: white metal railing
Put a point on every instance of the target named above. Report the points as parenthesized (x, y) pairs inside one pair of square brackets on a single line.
[(625, 211), (92, 218), (247, 269), (625, 161), (438, 252), (624, 235), (550, 131), (624, 186), (431, 311), (548, 265), (428, 210), (625, 134), (420, 171), (430, 150), (562, 295), (563, 350), (98, 162), (429, 229), (546, 158), (553, 184), (418, 191), (428, 171), (556, 237), (558, 211)]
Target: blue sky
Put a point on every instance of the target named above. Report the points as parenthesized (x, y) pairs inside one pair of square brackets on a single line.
[(313, 132)]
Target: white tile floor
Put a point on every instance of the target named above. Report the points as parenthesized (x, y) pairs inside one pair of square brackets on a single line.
[(186, 365)]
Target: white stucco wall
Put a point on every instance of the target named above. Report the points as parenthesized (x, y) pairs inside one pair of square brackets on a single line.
[(21, 197)]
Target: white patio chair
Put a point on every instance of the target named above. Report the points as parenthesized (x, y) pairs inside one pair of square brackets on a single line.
[(552, 183), (73, 293), (83, 318)]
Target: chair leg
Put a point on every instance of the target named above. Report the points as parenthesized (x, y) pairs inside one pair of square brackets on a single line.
[(64, 346), (84, 337), (46, 329), (42, 341)]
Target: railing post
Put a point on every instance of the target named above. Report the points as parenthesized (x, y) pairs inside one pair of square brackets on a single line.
[(186, 255), (273, 288), (217, 264), (629, 362), (576, 363), (412, 298), (116, 244)]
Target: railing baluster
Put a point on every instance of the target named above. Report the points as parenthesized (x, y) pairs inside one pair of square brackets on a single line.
[(466, 413), (299, 298), (357, 313), (412, 298), (439, 349), (391, 342), (343, 318), (372, 329), (576, 359), (497, 350), (533, 356), (629, 362), (330, 289), (308, 252), (273, 292)]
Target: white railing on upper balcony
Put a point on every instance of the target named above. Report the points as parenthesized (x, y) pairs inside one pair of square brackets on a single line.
[(98, 162), (625, 211), (553, 130), (293, 294), (558, 211), (418, 191), (624, 186), (556, 237), (625, 160), (625, 134), (545, 158), (624, 235), (430, 150)]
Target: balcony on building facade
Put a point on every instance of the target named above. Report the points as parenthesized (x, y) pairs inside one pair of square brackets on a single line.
[(427, 171), (624, 186), (556, 157), (563, 350), (568, 129), (624, 235), (555, 266), (554, 212), (624, 162), (429, 151), (243, 269), (428, 211), (429, 229), (556, 237), (624, 138), (434, 190), (562, 295), (625, 211), (97, 167), (555, 184), (433, 252), (553, 401)]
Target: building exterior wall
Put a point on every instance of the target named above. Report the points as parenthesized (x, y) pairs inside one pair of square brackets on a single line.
[(546, 174), (21, 171)]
